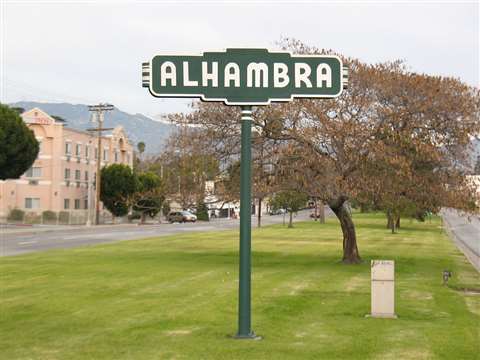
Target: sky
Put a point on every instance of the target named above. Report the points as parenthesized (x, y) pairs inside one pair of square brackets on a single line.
[(91, 51)]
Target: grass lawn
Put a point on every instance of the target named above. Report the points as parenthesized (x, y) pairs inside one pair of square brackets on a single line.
[(176, 297)]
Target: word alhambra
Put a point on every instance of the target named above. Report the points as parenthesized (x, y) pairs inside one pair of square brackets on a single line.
[(257, 75)]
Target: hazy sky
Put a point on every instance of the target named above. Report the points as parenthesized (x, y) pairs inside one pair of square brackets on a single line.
[(89, 52)]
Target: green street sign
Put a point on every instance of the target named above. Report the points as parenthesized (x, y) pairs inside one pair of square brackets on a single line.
[(245, 76)]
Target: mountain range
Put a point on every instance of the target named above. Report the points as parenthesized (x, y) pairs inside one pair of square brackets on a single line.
[(137, 126)]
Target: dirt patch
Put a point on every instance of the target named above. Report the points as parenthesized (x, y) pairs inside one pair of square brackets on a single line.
[(298, 287), (473, 304), (179, 332), (356, 282), (466, 290), (415, 354), (419, 295)]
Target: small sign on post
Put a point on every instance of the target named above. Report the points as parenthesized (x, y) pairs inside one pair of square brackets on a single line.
[(383, 288)]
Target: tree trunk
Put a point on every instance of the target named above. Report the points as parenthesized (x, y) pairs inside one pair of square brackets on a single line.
[(393, 220), (142, 218), (389, 219), (284, 214), (350, 249), (322, 212), (259, 216), (316, 209), (290, 222), (397, 225)]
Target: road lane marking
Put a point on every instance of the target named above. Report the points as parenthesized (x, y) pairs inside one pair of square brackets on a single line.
[(27, 242)]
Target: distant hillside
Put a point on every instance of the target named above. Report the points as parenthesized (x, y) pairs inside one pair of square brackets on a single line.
[(137, 126)]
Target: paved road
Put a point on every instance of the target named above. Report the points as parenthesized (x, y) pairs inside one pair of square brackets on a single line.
[(465, 232), (19, 241)]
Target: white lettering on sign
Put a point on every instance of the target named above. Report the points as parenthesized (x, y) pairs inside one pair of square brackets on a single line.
[(168, 71), (257, 75), (302, 72), (259, 72), (186, 80), (213, 76), (324, 73), (280, 75), (229, 76)]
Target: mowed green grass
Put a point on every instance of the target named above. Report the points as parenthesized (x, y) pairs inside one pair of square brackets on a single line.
[(176, 297)]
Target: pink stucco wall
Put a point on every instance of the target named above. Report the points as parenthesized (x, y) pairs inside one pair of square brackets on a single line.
[(51, 187)]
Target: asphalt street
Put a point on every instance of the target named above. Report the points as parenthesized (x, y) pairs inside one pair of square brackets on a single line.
[(14, 241), (466, 233)]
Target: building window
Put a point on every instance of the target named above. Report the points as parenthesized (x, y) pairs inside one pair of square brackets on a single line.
[(105, 155), (34, 172), (78, 175), (32, 203), (66, 203), (128, 158), (77, 204), (68, 148), (86, 203), (116, 156), (86, 175), (96, 153), (67, 173), (78, 149), (87, 151), (40, 146)]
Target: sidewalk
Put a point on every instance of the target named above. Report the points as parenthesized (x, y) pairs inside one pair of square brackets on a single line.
[(464, 233), (32, 229)]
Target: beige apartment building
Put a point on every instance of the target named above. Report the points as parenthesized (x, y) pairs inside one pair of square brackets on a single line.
[(62, 178)]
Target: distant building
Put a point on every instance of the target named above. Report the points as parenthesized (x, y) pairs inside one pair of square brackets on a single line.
[(223, 209), (64, 172)]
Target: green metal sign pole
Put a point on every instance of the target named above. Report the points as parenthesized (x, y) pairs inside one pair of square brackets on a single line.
[(244, 298)]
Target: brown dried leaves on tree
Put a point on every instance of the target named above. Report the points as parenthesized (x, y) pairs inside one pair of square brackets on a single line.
[(394, 139)]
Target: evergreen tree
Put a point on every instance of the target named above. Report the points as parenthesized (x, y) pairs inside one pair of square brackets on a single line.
[(290, 200), (18, 145), (202, 211), (118, 185), (149, 195)]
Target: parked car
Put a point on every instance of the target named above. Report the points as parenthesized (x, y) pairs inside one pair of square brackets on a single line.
[(277, 212), (181, 216)]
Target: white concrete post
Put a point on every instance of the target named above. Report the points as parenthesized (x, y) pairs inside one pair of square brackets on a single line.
[(383, 288)]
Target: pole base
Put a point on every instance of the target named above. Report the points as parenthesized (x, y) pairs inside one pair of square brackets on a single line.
[(251, 336)]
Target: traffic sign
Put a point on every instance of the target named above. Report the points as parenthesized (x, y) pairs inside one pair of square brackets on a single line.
[(245, 76)]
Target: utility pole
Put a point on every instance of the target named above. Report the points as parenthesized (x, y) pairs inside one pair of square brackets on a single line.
[(89, 188), (99, 111)]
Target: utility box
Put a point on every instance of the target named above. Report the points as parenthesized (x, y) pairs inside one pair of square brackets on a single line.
[(383, 288)]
